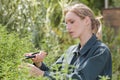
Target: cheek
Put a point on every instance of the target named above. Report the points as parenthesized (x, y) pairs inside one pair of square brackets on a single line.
[(80, 29)]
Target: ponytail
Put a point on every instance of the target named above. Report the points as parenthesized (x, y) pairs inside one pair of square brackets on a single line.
[(97, 27)]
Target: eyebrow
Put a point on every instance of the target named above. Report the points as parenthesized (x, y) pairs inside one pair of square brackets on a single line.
[(70, 20)]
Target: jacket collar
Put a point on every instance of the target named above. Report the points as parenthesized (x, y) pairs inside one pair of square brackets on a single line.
[(86, 47)]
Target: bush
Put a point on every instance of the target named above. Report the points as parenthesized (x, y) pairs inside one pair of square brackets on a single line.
[(12, 49), (113, 41)]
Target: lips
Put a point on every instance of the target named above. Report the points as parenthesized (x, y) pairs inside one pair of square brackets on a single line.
[(70, 33)]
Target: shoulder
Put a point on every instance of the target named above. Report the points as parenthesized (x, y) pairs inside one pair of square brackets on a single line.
[(101, 45), (101, 49)]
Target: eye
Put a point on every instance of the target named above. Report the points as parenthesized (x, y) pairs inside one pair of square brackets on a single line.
[(71, 22)]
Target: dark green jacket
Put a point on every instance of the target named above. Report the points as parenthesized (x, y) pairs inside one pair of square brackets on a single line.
[(93, 60)]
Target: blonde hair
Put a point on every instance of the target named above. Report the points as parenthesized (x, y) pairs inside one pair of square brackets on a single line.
[(82, 11)]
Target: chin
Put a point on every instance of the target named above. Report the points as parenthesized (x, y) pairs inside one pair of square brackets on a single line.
[(74, 37)]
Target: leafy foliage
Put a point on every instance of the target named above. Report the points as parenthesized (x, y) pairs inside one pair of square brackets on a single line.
[(12, 49), (113, 41)]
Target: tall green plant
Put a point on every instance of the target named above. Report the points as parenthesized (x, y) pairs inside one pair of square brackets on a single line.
[(113, 41), (12, 50)]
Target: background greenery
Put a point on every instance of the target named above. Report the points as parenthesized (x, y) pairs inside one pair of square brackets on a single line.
[(33, 25)]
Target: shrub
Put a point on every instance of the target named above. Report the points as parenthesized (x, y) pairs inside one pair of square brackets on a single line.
[(12, 49), (113, 41)]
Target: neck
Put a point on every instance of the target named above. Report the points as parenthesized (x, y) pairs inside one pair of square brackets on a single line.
[(84, 39)]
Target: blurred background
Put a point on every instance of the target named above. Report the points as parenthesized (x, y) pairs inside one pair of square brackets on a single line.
[(34, 25)]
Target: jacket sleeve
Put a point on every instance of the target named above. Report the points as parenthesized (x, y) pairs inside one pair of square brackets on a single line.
[(94, 66), (47, 72)]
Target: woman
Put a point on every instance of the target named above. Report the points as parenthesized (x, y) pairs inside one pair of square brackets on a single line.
[(90, 57)]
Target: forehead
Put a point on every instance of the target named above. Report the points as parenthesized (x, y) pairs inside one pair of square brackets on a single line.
[(71, 15)]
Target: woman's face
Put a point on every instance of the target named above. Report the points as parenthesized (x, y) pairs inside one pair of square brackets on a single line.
[(74, 25)]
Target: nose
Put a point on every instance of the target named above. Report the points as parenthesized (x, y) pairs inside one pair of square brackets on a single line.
[(68, 27)]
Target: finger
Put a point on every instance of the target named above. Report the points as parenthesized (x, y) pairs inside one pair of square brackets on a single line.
[(43, 52), (28, 54)]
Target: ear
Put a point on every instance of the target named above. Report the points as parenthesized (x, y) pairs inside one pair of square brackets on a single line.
[(87, 21)]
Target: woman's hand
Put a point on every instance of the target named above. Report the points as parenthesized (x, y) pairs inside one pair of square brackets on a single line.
[(34, 71), (31, 69), (39, 57)]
